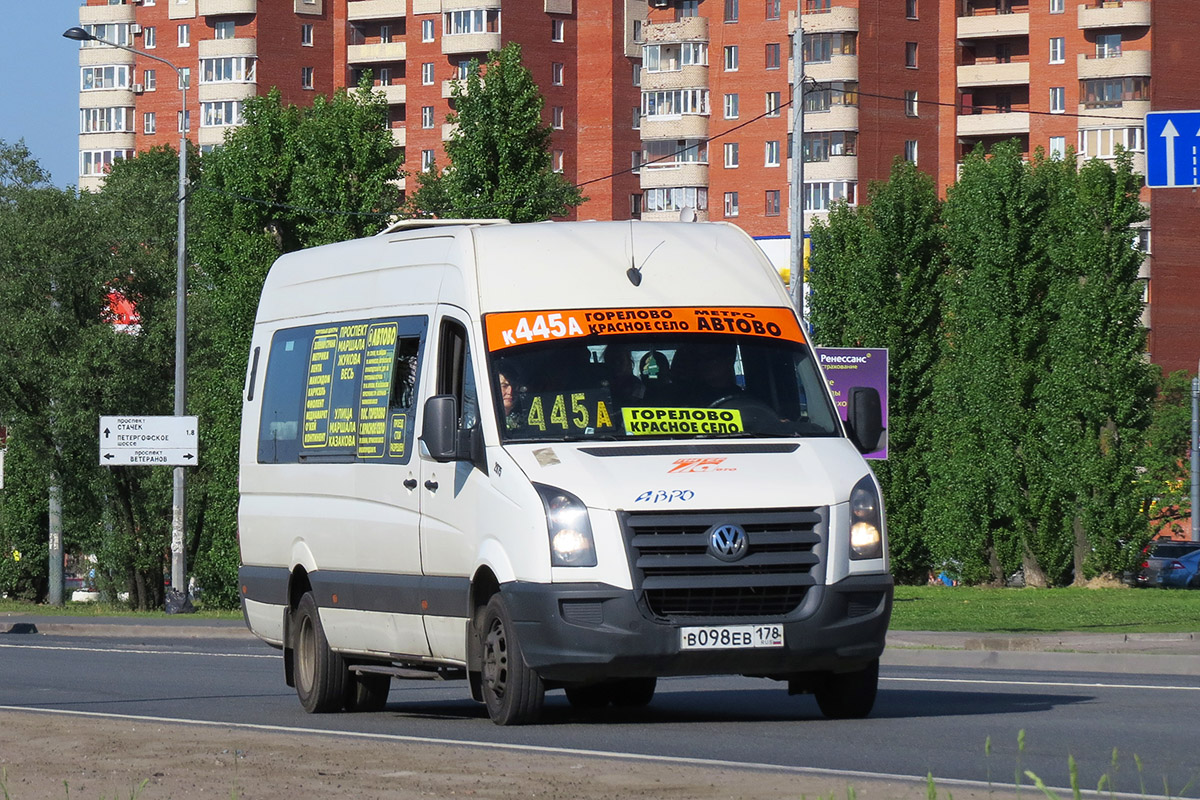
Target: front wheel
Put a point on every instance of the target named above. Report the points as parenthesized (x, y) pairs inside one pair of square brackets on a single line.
[(848, 695), (512, 691), (320, 672)]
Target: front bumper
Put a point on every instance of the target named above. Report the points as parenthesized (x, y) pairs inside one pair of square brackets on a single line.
[(593, 631)]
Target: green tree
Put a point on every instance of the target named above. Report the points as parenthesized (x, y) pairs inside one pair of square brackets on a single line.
[(875, 284), (1166, 481), (289, 178), (500, 161)]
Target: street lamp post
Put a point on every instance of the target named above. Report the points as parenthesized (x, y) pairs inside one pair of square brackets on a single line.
[(796, 198), (178, 499)]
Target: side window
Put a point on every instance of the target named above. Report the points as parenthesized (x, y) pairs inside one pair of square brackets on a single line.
[(342, 392), (455, 374)]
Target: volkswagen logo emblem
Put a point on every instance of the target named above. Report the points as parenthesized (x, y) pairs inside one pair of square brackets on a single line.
[(727, 542)]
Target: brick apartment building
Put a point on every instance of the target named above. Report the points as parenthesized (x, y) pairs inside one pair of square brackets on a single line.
[(661, 105)]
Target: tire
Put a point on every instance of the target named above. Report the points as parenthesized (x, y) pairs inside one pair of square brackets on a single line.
[(320, 673), (849, 695), (367, 691), (512, 691)]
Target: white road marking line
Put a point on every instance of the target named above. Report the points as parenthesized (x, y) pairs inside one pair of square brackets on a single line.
[(568, 751), (137, 651), (1058, 684)]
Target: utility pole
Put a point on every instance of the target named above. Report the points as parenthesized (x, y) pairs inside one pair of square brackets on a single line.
[(796, 195), (1196, 456)]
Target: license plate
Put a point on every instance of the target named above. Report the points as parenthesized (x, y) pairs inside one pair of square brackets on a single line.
[(731, 637)]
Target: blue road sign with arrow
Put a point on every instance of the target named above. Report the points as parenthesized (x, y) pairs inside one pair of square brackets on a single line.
[(1172, 149)]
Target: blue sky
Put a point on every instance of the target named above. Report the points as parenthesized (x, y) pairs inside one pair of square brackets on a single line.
[(39, 83)]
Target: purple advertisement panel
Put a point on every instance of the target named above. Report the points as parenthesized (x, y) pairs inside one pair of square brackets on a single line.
[(846, 367)]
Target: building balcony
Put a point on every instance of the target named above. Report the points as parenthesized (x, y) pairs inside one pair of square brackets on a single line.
[(373, 53), (1125, 63), (839, 68), (212, 135), (834, 20), (998, 124), (689, 77), (399, 136), (672, 216), (681, 126), (658, 176), (103, 56), (993, 74), (1115, 14), (836, 118), (987, 27), (426, 6), (463, 43), (105, 15), (246, 47), (558, 6), (837, 168), (396, 94), (181, 9), (688, 29), (226, 91), (106, 141), (313, 8), (448, 130), (1138, 161), (359, 10), (1108, 114), (465, 5), (212, 8), (109, 98)]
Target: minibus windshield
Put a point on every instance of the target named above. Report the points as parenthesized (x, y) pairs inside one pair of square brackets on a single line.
[(680, 375)]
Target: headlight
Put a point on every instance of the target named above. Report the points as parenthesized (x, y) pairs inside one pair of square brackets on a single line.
[(570, 531), (866, 520)]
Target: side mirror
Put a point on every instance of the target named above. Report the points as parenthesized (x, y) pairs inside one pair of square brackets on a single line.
[(864, 418), (439, 427)]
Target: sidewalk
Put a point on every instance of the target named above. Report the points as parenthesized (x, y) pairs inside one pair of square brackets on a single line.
[(1133, 653)]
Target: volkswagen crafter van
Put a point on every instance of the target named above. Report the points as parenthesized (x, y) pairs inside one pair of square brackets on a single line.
[(577, 456)]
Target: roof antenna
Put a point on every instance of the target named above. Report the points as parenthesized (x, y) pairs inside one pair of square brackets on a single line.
[(634, 273)]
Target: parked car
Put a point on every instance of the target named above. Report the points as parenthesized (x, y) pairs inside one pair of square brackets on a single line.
[(1167, 563)]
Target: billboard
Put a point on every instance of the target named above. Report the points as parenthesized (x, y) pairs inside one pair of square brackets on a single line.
[(846, 367)]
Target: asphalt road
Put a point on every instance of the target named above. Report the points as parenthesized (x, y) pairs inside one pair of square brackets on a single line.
[(957, 720)]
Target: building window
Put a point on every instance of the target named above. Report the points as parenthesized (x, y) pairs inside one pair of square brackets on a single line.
[(731, 155), (219, 113), (556, 117), (822, 195), (731, 106), (557, 161), (820, 48), (772, 203), (557, 30), (772, 9), (149, 80), (464, 69), (637, 74), (674, 57), (910, 151), (224, 30), (232, 69), (385, 34), (427, 74), (910, 55), (731, 10), (635, 162), (105, 120), (637, 31), (1058, 99), (1058, 6), (771, 158), (427, 161), (772, 104), (426, 30), (475, 20), (1103, 142), (185, 35), (687, 8), (834, 93), (385, 76), (635, 206), (1113, 92), (910, 104), (185, 78), (821, 146), (1057, 50), (1058, 147), (427, 118), (183, 121), (306, 77), (731, 58), (110, 77), (910, 9), (150, 38), (674, 153), (673, 102), (149, 123), (731, 204), (676, 198), (557, 71), (772, 55), (637, 118), (306, 35), (115, 32), (1108, 45), (99, 162)]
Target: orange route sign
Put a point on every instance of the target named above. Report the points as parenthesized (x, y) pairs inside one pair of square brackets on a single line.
[(512, 328)]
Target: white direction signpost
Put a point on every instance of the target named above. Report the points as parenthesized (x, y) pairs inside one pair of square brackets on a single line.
[(1172, 149), (148, 440)]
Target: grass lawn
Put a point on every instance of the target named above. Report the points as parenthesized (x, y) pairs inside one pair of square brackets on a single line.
[(1117, 610), (103, 610)]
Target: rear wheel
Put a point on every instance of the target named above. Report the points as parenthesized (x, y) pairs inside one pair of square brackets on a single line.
[(320, 672), (848, 695), (513, 692)]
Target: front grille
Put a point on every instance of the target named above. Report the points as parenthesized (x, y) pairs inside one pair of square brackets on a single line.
[(677, 577)]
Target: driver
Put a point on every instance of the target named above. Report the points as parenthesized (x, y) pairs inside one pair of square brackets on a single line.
[(707, 374)]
